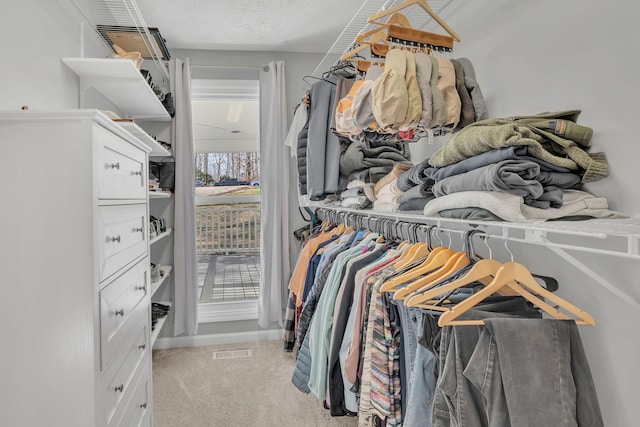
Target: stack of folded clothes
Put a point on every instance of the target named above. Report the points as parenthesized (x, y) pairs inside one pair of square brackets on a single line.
[(525, 168), (416, 188)]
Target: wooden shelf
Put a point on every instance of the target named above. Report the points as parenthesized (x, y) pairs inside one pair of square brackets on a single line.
[(156, 285), (161, 236), (160, 194), (120, 82), (160, 323), (157, 150)]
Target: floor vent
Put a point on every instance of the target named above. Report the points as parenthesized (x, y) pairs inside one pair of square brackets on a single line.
[(236, 354)]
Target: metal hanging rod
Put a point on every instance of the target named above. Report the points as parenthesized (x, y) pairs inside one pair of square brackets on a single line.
[(625, 230)]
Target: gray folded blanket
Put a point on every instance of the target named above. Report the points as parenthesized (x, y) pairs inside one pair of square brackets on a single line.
[(510, 176), (514, 152), (523, 178)]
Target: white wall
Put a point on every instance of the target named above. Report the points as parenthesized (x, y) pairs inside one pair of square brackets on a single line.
[(36, 34)]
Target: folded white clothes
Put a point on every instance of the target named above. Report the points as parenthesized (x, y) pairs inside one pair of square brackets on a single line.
[(366, 187), (511, 208)]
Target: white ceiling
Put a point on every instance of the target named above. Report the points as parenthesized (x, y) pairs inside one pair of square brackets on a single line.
[(225, 115), (263, 25)]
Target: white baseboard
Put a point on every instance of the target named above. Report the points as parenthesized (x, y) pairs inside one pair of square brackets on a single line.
[(231, 338)]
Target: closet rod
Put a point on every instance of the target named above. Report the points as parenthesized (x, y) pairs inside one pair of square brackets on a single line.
[(532, 236), (624, 234), (263, 67)]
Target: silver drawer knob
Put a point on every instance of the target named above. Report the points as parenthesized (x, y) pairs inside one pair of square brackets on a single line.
[(138, 230), (143, 405), (141, 288), (119, 388), (142, 346), (113, 239), (115, 165), (137, 173), (119, 312)]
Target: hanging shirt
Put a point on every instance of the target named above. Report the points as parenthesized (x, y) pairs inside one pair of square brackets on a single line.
[(322, 322)]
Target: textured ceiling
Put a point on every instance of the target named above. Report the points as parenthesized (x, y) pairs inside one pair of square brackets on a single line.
[(264, 25)]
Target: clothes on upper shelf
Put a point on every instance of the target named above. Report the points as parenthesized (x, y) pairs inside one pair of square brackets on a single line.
[(555, 138), (352, 128), (362, 351), (511, 182), (414, 95)]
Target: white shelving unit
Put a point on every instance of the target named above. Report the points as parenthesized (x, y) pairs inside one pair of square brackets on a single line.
[(159, 194), (167, 272), (161, 236), (120, 82), (161, 322), (157, 150)]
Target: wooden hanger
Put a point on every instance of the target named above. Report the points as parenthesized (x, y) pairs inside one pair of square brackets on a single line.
[(414, 253), (480, 270), (395, 19), (395, 32), (377, 38), (517, 277), (375, 18), (436, 259), (454, 264)]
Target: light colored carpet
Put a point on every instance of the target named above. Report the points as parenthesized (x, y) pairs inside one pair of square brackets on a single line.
[(192, 389)]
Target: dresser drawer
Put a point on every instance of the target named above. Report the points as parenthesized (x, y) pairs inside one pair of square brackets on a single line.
[(139, 407), (122, 167), (117, 383), (122, 303), (122, 236)]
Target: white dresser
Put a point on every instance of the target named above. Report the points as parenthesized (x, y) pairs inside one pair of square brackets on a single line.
[(74, 257)]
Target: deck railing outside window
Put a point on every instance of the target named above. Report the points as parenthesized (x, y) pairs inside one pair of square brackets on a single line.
[(227, 228)]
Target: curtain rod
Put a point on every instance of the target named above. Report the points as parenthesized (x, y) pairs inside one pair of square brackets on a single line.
[(263, 67)]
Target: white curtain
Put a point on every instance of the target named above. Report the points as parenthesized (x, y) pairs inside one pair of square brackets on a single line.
[(274, 221), (184, 241)]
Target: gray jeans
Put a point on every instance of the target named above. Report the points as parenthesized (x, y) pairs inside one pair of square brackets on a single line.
[(545, 355), (514, 372)]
